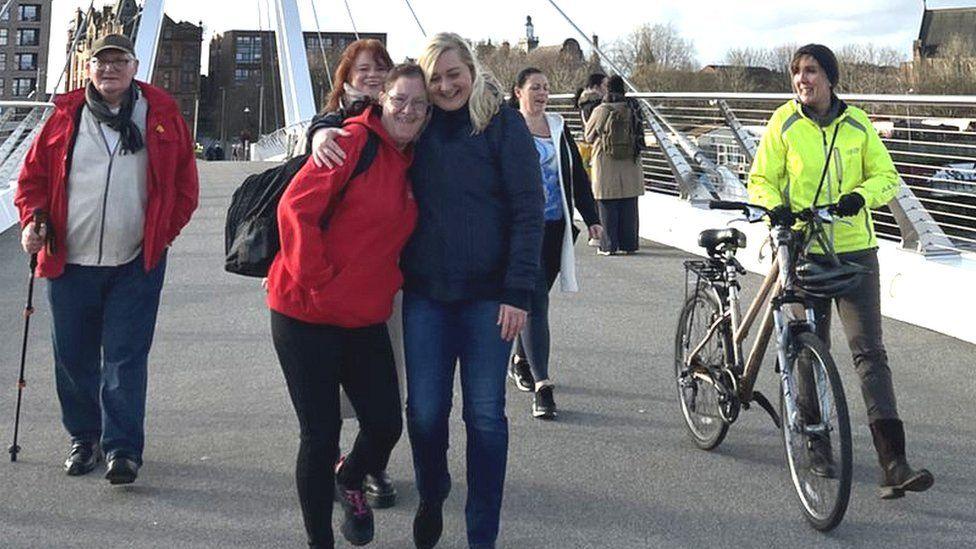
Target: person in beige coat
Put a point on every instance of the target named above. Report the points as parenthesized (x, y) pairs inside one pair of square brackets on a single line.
[(615, 130)]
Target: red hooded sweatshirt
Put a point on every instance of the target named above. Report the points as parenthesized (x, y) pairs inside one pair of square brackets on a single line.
[(347, 273)]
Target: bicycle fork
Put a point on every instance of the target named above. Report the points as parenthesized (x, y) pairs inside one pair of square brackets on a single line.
[(786, 353)]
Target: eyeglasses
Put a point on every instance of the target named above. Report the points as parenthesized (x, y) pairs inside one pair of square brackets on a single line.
[(401, 102), (116, 64)]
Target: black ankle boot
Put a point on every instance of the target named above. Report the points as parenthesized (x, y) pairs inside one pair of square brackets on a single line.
[(428, 524), (380, 492), (897, 477)]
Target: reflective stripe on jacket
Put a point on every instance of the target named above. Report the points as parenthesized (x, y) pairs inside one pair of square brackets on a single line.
[(791, 157)]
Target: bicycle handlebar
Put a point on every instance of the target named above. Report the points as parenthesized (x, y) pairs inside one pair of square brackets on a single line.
[(755, 212)]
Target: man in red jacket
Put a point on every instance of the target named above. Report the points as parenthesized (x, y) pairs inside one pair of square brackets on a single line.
[(113, 168)]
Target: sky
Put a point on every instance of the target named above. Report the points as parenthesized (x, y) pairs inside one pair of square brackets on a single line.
[(728, 23)]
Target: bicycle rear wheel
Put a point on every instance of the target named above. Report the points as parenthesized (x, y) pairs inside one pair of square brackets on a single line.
[(818, 443), (697, 395)]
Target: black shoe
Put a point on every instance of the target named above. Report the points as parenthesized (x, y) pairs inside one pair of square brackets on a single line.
[(820, 457), (897, 477), (357, 525), (543, 405), (427, 525), (121, 470), (82, 458), (521, 374), (380, 492)]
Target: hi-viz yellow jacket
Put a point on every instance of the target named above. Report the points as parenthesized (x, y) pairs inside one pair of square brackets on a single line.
[(791, 158)]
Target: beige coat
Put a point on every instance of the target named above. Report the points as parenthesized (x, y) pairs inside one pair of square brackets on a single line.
[(613, 178)]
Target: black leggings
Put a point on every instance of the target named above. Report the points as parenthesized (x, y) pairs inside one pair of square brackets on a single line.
[(316, 358)]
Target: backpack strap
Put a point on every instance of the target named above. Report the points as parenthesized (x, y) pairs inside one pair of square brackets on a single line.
[(366, 158)]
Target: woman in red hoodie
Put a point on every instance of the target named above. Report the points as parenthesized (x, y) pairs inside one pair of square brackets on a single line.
[(330, 290)]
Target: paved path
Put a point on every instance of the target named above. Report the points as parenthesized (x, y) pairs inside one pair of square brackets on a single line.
[(615, 471)]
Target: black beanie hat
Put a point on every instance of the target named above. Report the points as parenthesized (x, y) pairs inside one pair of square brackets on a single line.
[(824, 57)]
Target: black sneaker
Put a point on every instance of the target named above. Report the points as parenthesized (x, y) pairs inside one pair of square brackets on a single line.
[(428, 524), (357, 525), (379, 489), (543, 405), (82, 458), (521, 374)]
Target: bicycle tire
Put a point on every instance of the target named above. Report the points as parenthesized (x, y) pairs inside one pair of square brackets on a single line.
[(802, 479), (695, 423)]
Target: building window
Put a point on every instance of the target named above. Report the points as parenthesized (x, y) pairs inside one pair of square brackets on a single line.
[(6, 16), (2, 84), (25, 61), (186, 81), (3, 61), (3, 37), (23, 86), (28, 37), (242, 75), (167, 80), (166, 55), (30, 12), (248, 49), (328, 42)]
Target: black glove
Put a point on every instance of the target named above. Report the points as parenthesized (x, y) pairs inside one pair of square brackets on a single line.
[(782, 216), (848, 205)]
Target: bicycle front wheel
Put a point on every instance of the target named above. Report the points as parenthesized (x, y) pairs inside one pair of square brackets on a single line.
[(697, 395), (818, 437)]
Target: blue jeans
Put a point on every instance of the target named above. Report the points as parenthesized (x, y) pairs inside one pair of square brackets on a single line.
[(437, 335), (103, 320)]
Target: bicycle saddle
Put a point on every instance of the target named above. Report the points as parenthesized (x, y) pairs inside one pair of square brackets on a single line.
[(714, 239)]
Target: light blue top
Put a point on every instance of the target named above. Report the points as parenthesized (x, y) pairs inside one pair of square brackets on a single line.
[(553, 210)]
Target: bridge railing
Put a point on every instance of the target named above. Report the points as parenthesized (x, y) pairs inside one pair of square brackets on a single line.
[(932, 140), (20, 121)]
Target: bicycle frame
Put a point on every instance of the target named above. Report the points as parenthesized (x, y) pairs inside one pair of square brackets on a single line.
[(777, 297)]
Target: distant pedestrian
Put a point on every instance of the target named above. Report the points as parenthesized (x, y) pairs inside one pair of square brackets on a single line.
[(128, 188), (592, 95), (566, 187), (616, 131)]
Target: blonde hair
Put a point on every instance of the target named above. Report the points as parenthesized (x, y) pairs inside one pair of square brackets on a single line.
[(486, 97)]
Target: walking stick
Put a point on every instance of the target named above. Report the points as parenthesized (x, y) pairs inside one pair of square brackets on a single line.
[(40, 219)]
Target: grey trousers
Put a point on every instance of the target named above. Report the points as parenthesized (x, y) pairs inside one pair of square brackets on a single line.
[(860, 314)]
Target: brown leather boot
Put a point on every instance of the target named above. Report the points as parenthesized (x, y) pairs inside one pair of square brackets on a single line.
[(897, 477)]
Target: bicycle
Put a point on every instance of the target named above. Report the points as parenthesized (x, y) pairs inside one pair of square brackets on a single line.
[(715, 379)]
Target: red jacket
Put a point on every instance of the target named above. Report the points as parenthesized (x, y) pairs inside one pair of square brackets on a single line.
[(172, 179), (347, 274)]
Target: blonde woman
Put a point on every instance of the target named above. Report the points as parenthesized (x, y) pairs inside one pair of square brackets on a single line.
[(470, 269)]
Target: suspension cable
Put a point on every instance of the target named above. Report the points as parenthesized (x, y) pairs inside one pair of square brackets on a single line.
[(351, 20), (325, 58), (415, 18), (5, 7)]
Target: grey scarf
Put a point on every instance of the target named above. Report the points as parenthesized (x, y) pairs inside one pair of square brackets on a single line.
[(121, 122)]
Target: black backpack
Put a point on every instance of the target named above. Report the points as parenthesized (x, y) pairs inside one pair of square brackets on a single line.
[(251, 231)]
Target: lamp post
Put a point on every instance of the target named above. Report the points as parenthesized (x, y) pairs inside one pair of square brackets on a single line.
[(245, 142)]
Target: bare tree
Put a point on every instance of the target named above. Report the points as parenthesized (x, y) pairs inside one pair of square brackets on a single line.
[(866, 68), (654, 47)]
